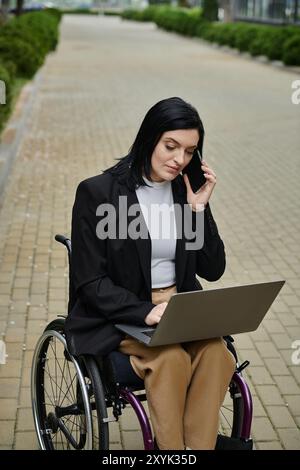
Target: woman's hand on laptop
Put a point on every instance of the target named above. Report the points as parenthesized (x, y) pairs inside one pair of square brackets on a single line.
[(155, 314)]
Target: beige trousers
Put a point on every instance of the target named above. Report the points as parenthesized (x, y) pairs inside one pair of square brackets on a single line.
[(185, 386)]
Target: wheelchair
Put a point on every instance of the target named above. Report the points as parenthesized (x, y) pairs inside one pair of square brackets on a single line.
[(74, 399)]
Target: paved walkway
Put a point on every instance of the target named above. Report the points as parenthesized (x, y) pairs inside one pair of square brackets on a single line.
[(91, 96)]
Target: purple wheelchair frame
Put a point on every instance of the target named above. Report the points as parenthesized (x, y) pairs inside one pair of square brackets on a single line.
[(237, 379)]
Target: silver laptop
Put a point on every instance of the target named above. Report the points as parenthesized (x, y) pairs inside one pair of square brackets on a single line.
[(191, 316)]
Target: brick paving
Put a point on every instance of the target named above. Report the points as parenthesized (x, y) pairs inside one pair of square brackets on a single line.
[(89, 101)]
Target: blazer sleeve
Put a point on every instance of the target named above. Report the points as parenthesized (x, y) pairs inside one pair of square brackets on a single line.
[(89, 266), (210, 259)]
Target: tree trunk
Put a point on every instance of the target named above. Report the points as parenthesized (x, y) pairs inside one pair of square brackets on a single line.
[(227, 5), (4, 10), (19, 9)]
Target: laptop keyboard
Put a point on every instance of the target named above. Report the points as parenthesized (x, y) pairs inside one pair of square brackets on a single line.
[(148, 333)]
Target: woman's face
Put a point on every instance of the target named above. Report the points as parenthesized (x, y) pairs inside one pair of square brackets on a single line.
[(172, 153)]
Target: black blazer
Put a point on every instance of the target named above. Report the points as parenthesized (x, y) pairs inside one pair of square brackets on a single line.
[(111, 279)]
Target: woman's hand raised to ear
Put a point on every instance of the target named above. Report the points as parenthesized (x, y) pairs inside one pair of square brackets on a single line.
[(155, 314), (201, 197)]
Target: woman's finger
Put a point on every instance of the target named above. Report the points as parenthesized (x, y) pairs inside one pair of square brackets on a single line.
[(211, 178), (206, 169)]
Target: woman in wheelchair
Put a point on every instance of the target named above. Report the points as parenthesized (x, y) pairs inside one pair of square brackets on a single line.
[(129, 279)]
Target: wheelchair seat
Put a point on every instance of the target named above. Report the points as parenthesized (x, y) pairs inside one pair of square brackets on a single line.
[(117, 370)]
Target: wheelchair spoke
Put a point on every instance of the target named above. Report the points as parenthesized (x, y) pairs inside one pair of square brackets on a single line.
[(48, 372), (62, 370), (61, 439), (72, 382), (52, 404), (69, 420), (57, 400), (226, 419), (228, 409), (56, 362), (69, 389), (62, 378), (227, 415)]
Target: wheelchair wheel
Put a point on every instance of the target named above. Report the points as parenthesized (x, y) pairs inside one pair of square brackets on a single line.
[(67, 396), (235, 413), (231, 413)]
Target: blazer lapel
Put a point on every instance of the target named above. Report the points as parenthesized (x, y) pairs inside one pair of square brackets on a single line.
[(181, 254), (143, 246)]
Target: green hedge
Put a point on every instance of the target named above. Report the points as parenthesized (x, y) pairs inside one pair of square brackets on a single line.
[(271, 41), (291, 51), (79, 11), (111, 13), (276, 42), (26, 58), (27, 39), (24, 43), (57, 14)]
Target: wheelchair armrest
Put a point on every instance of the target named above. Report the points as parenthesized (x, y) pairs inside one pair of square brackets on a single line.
[(229, 340)]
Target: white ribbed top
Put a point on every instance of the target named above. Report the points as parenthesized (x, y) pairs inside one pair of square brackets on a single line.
[(157, 207)]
